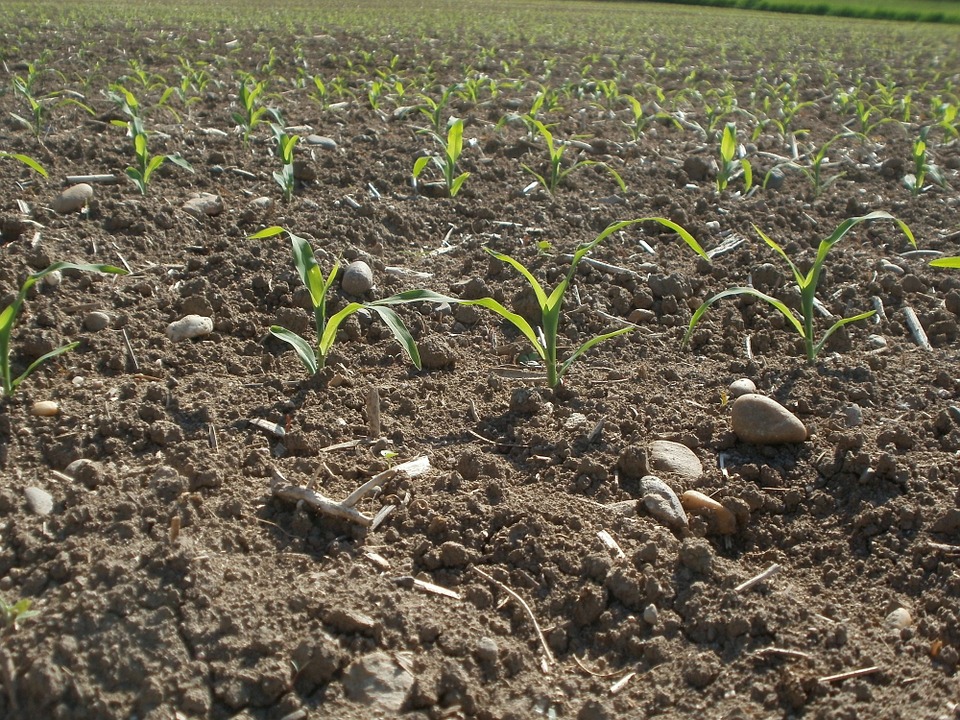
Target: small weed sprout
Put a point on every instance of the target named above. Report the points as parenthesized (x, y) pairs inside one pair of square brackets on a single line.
[(544, 338), (556, 171), (732, 162), (319, 286), (8, 319), (13, 614), (284, 177), (448, 162), (806, 283)]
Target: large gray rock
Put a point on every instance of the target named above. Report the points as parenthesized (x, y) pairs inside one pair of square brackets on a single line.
[(758, 419)]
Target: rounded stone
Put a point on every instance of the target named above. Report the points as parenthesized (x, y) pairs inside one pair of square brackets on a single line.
[(898, 619), (73, 199), (203, 204), (45, 408), (742, 387), (40, 501), (662, 502), (322, 142), (189, 326), (96, 321), (668, 456), (759, 420), (357, 278)]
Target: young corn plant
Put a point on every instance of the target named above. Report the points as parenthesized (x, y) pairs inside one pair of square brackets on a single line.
[(26, 160), (8, 319), (146, 163), (284, 176), (922, 167), (447, 164), (731, 163), (11, 615), (806, 283), (252, 109), (556, 172), (544, 338), (814, 171), (315, 358)]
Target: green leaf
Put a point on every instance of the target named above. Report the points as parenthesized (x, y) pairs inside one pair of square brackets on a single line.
[(26, 160), (269, 232), (947, 262), (180, 162), (457, 184), (455, 141), (40, 360), (420, 164), (728, 145), (797, 275), (528, 276), (747, 174), (400, 332), (302, 347), (518, 321), (839, 324), (589, 344), (333, 324), (731, 292)]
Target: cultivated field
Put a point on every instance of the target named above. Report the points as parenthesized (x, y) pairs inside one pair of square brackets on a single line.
[(481, 475)]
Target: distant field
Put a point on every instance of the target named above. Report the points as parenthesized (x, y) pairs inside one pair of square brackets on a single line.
[(947, 11)]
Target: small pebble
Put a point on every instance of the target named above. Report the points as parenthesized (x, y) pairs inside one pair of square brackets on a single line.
[(487, 650), (96, 321), (662, 502), (760, 420), (203, 204), (189, 326), (53, 279), (40, 501), (672, 457), (699, 504), (88, 472), (651, 614), (73, 199), (45, 408), (898, 619), (322, 142), (853, 416), (357, 278), (743, 386)]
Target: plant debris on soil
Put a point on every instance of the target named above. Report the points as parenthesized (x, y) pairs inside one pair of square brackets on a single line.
[(204, 531)]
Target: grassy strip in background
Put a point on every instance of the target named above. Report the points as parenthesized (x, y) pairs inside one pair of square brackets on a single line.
[(933, 11)]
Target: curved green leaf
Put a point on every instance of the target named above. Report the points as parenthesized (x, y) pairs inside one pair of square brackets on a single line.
[(528, 276), (731, 292), (400, 332), (303, 349), (39, 361), (589, 344), (836, 326), (518, 321), (333, 324), (947, 262)]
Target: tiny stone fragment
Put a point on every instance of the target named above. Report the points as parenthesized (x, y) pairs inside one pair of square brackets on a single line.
[(189, 326), (357, 278), (758, 419), (662, 502), (40, 501), (73, 199)]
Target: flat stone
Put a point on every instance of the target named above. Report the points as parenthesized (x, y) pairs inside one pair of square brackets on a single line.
[(73, 199), (378, 681), (189, 326), (203, 204), (662, 502), (758, 419), (322, 141), (357, 278), (40, 501), (667, 456)]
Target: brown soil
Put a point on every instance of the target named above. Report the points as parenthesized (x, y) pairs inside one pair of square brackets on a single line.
[(261, 608)]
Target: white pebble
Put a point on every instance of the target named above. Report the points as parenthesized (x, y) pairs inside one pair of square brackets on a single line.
[(651, 614), (53, 279), (40, 501), (357, 278), (96, 321), (189, 326)]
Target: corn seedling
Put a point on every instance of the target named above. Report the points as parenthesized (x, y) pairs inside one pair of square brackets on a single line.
[(39, 106), (252, 109), (448, 162), (8, 319), (922, 167), (814, 171), (146, 163), (13, 615), (732, 163), (556, 171), (26, 160), (285, 146), (806, 283), (318, 286), (434, 110), (544, 338)]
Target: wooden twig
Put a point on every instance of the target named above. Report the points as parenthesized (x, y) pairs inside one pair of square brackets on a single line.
[(611, 544), (622, 683), (872, 670), (781, 652), (373, 412), (428, 587), (769, 572), (548, 655), (133, 357)]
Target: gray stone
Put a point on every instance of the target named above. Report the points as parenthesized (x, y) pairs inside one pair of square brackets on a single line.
[(203, 204), (775, 179), (357, 278), (322, 142), (762, 421), (377, 680), (662, 502), (487, 650), (742, 387), (667, 456), (96, 321), (40, 501), (189, 326), (73, 199)]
